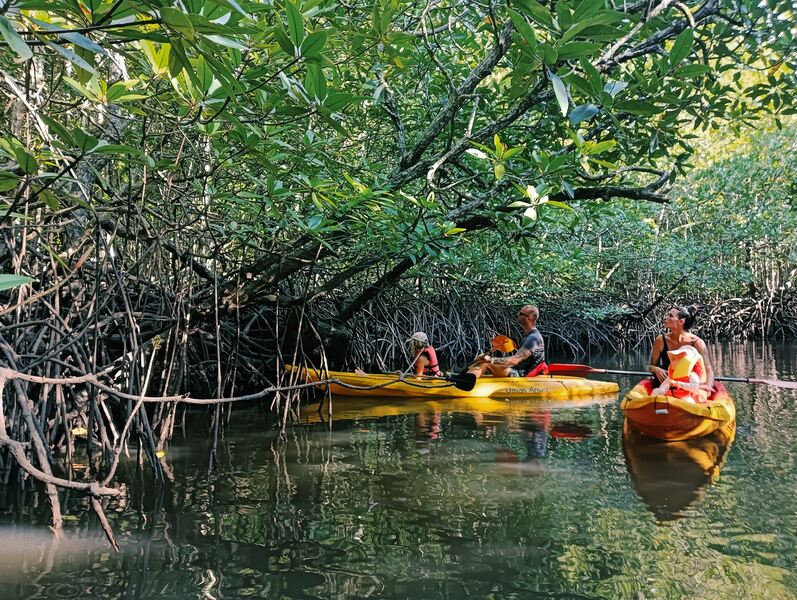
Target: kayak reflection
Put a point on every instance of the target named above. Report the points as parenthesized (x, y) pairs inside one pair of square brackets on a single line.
[(346, 409), (670, 476)]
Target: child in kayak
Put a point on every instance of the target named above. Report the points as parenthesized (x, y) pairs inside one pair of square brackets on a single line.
[(686, 376)]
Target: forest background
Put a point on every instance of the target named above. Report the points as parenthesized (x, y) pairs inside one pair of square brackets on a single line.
[(196, 193)]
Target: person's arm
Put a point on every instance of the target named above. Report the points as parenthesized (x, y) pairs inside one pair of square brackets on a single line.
[(510, 361), (701, 347), (655, 354), (532, 345)]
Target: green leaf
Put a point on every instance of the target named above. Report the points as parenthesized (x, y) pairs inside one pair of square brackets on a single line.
[(592, 25), (12, 281), (499, 171), (560, 92), (295, 23), (583, 113), (313, 44), (81, 89), (179, 21), (561, 205), (225, 41), (682, 47), (26, 161), (576, 50), (536, 11), (549, 54), (84, 141), (233, 4), (513, 152), (338, 100), (76, 38), (158, 59), (8, 181), (498, 145), (83, 75), (525, 30), (594, 76), (586, 9), (73, 58), (50, 200), (563, 15), (315, 82), (104, 148), (57, 129), (284, 41), (593, 149), (179, 61), (204, 74), (455, 230), (693, 70), (637, 107), (120, 92), (14, 40)]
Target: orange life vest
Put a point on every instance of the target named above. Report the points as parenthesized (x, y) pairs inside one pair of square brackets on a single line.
[(433, 368)]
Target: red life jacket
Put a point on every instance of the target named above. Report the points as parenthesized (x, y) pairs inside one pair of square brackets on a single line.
[(433, 368), (540, 369)]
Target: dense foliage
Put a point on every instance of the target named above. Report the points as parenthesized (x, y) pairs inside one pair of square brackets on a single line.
[(202, 190), (254, 141)]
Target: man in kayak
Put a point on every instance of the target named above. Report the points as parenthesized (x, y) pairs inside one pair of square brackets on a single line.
[(528, 361), (424, 356)]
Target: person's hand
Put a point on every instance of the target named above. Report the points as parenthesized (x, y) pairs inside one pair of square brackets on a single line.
[(660, 373), (484, 358)]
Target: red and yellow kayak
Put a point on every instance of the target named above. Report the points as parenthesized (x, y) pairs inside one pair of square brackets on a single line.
[(672, 419)]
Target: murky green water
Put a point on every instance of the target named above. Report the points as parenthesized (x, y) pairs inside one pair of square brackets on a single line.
[(445, 500)]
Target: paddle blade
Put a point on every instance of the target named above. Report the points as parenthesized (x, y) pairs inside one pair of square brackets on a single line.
[(501, 343), (567, 369), (463, 381)]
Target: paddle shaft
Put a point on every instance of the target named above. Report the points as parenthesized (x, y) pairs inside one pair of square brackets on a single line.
[(462, 381), (567, 368)]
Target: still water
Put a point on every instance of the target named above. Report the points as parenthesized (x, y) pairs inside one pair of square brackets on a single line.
[(444, 500)]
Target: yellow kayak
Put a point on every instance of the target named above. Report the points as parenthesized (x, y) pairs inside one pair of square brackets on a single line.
[(543, 387), (672, 419)]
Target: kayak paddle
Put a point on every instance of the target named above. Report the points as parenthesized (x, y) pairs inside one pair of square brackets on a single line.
[(584, 370), (462, 381)]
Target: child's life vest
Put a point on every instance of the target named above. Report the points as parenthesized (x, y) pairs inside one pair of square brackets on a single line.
[(433, 368), (687, 372)]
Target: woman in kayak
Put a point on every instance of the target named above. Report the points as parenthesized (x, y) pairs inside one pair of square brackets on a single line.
[(679, 321)]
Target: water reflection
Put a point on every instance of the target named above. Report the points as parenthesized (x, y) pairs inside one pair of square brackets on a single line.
[(347, 409), (671, 476), (463, 498)]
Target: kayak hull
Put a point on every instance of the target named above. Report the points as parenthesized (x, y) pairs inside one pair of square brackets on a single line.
[(673, 419), (543, 387)]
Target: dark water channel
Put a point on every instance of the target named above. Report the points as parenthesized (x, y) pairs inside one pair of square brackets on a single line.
[(444, 500)]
